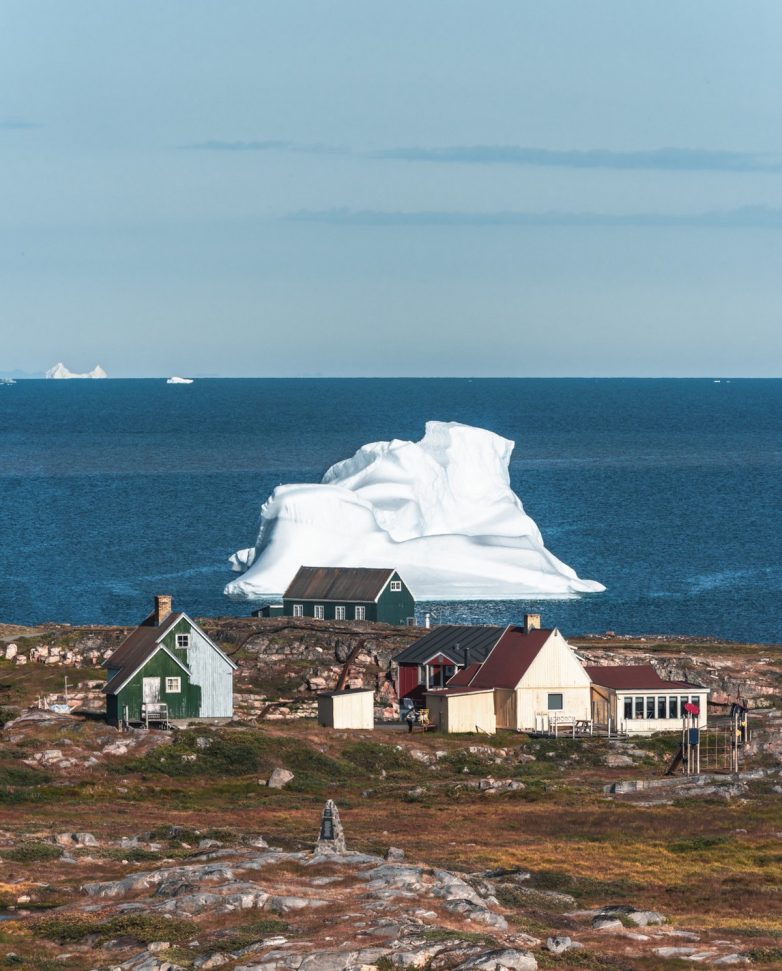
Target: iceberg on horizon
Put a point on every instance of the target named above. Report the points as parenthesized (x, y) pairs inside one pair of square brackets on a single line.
[(61, 372), (441, 511), (177, 380)]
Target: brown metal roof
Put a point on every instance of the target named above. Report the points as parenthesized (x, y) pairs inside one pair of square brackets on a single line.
[(513, 653), (137, 647), (360, 584), (632, 677)]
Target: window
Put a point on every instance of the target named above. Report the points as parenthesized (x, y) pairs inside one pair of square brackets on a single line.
[(628, 707), (173, 685), (411, 621), (661, 713), (396, 586), (555, 702), (650, 707), (439, 675), (684, 700), (673, 707), (183, 641), (339, 613), (361, 613), (298, 610), (319, 612), (639, 708)]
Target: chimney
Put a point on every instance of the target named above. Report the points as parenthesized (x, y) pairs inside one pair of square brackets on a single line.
[(427, 619), (466, 654), (162, 607), (531, 622)]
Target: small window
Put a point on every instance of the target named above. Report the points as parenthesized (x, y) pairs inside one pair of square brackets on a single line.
[(411, 621), (684, 700), (650, 707), (661, 713), (555, 702), (628, 707), (319, 612), (396, 586), (173, 685), (183, 641), (298, 610), (639, 707), (339, 613), (361, 613), (673, 707)]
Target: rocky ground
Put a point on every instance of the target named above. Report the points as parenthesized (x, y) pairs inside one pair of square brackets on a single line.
[(284, 662), (194, 849)]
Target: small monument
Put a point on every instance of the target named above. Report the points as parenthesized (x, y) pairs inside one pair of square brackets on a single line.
[(332, 837)]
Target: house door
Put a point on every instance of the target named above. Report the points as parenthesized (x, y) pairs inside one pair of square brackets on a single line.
[(151, 689), (505, 708)]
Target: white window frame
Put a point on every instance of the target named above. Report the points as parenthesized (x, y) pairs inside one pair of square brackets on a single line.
[(298, 610), (396, 586), (173, 686), (360, 613), (339, 613), (319, 612), (183, 642)]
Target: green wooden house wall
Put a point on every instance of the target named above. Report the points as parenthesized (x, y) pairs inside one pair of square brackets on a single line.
[(391, 607), (182, 704)]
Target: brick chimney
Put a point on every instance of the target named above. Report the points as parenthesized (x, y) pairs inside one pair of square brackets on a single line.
[(531, 622), (163, 603)]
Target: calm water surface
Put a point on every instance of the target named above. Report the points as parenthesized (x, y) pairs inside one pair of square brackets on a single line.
[(667, 491)]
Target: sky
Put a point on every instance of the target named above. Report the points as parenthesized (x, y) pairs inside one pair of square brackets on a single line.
[(437, 187)]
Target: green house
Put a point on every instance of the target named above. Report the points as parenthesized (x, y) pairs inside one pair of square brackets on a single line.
[(349, 593), (168, 670)]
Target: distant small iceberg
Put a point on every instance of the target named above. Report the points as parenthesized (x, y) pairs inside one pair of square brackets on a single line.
[(7, 381), (61, 372), (176, 380)]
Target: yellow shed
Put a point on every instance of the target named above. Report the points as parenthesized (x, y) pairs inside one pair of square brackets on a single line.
[(462, 710), (351, 708)]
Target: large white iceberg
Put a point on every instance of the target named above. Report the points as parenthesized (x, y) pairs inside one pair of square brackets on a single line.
[(441, 511), (60, 371), (177, 380)]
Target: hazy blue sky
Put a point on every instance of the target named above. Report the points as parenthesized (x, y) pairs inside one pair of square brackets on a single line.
[(236, 187)]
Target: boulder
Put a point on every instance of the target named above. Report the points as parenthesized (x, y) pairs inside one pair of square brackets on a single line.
[(208, 961), (558, 945), (115, 748), (642, 918), (11, 651), (607, 924), (394, 854), (499, 960), (279, 778)]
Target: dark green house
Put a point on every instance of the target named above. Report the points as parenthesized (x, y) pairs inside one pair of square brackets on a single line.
[(168, 670), (349, 593)]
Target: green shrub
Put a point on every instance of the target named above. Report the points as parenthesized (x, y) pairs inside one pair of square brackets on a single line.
[(33, 853), (144, 927), (21, 775), (247, 934), (374, 757), (697, 844)]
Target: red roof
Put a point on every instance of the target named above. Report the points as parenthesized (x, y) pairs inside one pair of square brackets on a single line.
[(510, 658), (463, 677), (632, 677)]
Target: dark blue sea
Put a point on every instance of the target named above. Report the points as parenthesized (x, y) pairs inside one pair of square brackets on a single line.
[(667, 491)]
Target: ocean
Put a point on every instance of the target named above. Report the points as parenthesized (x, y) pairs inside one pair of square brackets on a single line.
[(667, 491)]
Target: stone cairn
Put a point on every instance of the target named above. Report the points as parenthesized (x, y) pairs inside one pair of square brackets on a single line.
[(332, 836)]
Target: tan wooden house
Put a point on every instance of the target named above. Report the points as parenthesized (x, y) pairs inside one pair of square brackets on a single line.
[(532, 679)]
